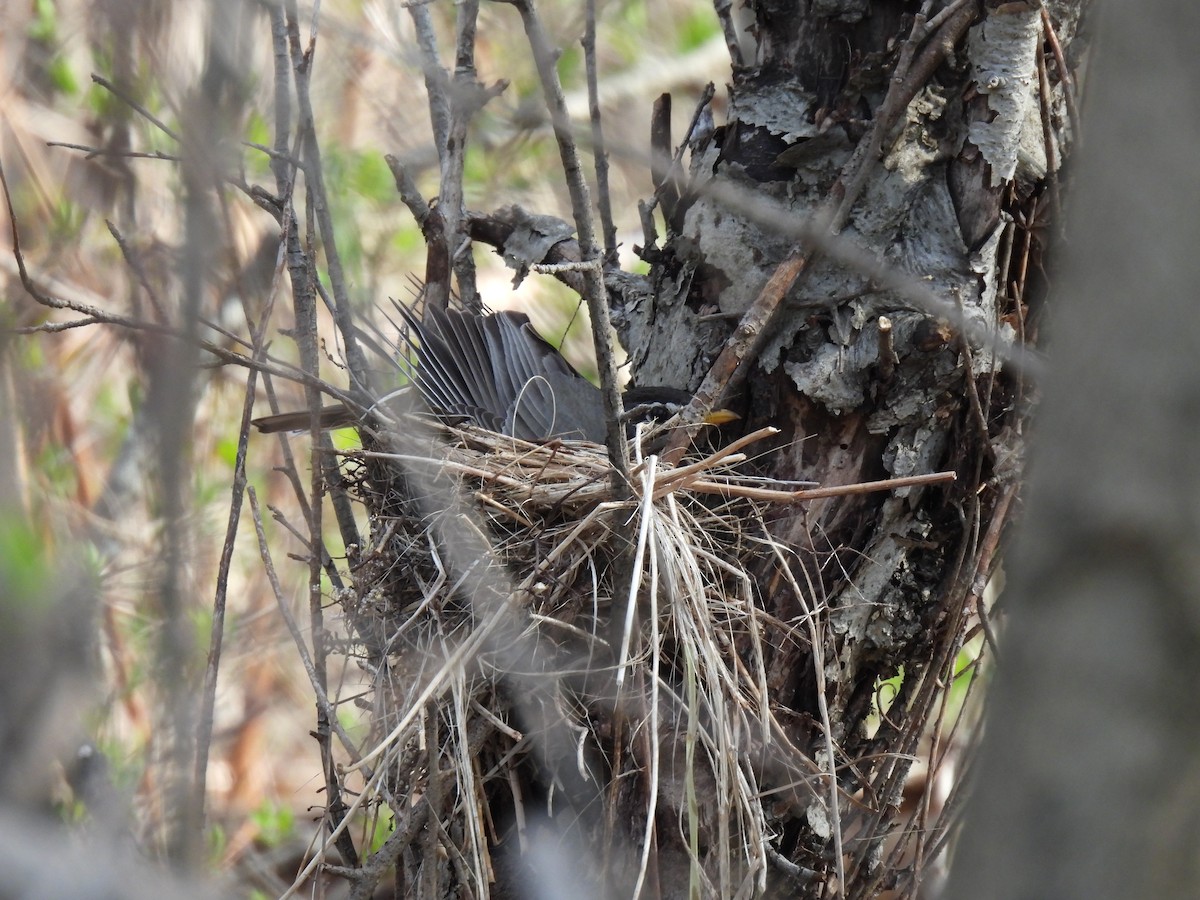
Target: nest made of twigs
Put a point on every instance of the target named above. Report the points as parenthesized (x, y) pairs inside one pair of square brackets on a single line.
[(488, 614)]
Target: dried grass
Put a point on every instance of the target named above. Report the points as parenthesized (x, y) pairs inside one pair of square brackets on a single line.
[(508, 647)]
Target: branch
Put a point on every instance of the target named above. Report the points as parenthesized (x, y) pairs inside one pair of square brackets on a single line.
[(599, 154), (593, 279)]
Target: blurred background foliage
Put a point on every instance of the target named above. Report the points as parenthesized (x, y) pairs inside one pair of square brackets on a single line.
[(94, 94)]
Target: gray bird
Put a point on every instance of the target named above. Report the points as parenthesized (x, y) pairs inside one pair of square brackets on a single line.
[(496, 372)]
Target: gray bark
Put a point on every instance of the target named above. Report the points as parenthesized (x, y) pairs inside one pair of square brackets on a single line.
[(895, 578)]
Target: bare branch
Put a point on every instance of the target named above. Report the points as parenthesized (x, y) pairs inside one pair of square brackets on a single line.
[(599, 154), (134, 105), (594, 293)]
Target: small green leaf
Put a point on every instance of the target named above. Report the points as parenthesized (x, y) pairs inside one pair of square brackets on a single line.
[(370, 177), (43, 27), (62, 77), (275, 823), (696, 30)]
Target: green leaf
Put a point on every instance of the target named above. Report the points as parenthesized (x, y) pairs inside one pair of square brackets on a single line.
[(43, 27), (696, 30), (24, 570), (370, 177), (275, 823), (62, 77)]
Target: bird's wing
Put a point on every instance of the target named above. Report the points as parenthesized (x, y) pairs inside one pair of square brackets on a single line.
[(556, 406), (466, 339), (498, 372), (549, 399), (448, 372)]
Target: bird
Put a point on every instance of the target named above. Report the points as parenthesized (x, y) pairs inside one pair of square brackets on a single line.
[(494, 370)]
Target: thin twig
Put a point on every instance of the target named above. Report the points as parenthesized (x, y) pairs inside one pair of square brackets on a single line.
[(594, 292), (599, 154), (816, 643), (134, 105), (978, 417), (1064, 74), (410, 194), (216, 637), (93, 152), (988, 549), (343, 311), (92, 314), (1046, 102), (306, 335), (842, 490), (436, 81), (138, 270), (724, 11), (316, 677), (467, 97), (56, 327)]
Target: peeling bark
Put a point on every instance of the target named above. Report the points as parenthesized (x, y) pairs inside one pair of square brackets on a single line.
[(956, 200)]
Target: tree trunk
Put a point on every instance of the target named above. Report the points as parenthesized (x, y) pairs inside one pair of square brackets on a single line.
[(895, 352)]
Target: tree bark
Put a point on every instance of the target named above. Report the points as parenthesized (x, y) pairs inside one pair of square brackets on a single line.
[(865, 378)]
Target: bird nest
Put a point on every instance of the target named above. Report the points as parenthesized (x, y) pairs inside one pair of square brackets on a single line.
[(546, 654)]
